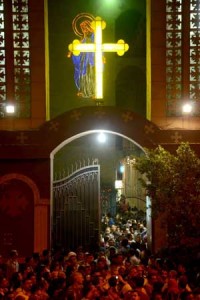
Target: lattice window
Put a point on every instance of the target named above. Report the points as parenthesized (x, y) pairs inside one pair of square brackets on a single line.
[(173, 54), (195, 52), (15, 56), (2, 59), (182, 55)]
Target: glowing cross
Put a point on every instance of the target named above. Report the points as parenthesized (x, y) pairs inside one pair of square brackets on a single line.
[(98, 48)]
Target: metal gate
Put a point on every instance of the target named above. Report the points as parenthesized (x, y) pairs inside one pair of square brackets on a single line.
[(76, 209)]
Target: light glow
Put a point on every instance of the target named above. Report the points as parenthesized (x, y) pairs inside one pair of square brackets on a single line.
[(118, 184), (122, 169), (98, 48), (101, 137), (98, 26), (120, 47), (10, 109), (187, 108)]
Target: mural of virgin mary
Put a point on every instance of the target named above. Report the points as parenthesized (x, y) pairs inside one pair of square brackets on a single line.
[(84, 73)]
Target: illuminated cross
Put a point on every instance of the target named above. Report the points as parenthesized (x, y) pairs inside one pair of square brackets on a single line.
[(98, 48)]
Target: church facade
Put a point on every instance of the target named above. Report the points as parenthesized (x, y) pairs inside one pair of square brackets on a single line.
[(143, 94)]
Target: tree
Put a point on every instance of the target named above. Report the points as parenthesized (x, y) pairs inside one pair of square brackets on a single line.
[(172, 181)]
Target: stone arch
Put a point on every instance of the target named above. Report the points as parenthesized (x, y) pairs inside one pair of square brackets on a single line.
[(25, 179), (85, 119), (19, 196), (40, 214), (114, 119)]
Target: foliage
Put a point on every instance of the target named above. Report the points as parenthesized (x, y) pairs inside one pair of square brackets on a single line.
[(173, 183)]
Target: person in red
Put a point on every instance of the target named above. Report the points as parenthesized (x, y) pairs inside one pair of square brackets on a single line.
[(75, 290)]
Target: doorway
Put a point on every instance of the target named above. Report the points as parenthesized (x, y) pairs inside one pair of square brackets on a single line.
[(115, 155)]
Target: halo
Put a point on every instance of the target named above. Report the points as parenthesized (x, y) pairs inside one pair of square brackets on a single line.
[(76, 22)]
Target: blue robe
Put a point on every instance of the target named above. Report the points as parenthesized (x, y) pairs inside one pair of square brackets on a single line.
[(84, 75)]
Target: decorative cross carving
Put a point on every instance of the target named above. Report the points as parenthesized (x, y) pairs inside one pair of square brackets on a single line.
[(22, 137)]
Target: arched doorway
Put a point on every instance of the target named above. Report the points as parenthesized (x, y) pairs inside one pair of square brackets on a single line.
[(79, 205), (18, 199)]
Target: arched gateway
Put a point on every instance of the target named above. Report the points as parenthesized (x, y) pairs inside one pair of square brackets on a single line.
[(29, 155)]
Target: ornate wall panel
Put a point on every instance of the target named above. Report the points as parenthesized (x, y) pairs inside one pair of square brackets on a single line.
[(182, 55), (15, 56)]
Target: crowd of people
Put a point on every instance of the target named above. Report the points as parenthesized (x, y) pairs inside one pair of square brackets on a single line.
[(122, 268)]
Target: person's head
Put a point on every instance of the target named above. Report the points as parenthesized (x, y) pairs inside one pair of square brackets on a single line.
[(157, 296), (27, 284), (32, 277), (72, 258), (101, 262), (135, 295), (133, 272), (164, 274), (173, 274), (127, 264), (80, 256), (107, 231), (119, 258), (140, 269), (13, 254), (181, 268), (87, 269), (89, 258), (141, 227), (86, 27), (138, 238), (112, 251), (4, 283), (113, 227), (77, 278), (111, 242)]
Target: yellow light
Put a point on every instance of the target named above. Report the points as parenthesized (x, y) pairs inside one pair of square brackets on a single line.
[(76, 47), (98, 48), (98, 60), (120, 47)]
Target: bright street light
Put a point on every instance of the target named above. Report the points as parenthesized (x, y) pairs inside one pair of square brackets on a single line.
[(101, 137), (187, 108), (10, 109)]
